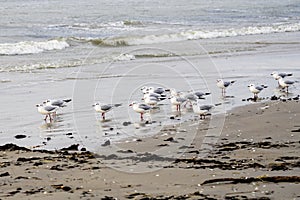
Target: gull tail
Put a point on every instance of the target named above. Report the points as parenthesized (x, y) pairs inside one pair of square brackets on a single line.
[(67, 100)]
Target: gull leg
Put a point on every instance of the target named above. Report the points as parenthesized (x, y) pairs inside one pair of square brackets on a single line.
[(142, 118), (103, 116), (46, 117)]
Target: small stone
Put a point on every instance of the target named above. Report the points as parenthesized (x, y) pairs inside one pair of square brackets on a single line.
[(20, 136)]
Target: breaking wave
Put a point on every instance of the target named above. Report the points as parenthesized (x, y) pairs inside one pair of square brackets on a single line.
[(31, 47), (192, 35)]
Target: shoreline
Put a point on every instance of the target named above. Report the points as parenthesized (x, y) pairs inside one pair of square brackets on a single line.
[(258, 141)]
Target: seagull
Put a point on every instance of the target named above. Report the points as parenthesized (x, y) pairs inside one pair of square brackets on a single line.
[(285, 83), (58, 102), (277, 75), (256, 89), (177, 100), (140, 108), (102, 109), (224, 84), (151, 100), (194, 96), (158, 90), (202, 110), (201, 94), (159, 97), (47, 110)]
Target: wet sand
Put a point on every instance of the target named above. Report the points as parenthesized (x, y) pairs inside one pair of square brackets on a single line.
[(255, 156)]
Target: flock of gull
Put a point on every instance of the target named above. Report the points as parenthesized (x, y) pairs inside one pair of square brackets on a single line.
[(152, 96)]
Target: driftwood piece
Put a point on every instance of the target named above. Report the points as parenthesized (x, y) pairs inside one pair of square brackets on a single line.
[(273, 179)]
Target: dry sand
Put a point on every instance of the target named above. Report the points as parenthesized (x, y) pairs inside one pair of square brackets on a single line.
[(255, 157)]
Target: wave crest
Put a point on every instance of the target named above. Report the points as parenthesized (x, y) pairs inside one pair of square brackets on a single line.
[(192, 35), (31, 47)]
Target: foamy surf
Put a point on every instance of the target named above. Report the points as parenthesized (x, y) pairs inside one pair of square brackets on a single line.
[(66, 64), (192, 35), (31, 47)]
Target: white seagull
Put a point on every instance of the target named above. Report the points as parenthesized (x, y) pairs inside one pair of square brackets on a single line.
[(224, 84), (277, 75), (256, 89), (177, 100), (102, 109), (46, 110), (140, 108), (58, 102), (202, 110), (158, 90), (194, 96), (285, 83), (150, 100)]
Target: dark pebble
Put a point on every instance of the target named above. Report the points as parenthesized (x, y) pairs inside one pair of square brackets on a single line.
[(106, 143), (73, 147), (4, 174), (170, 139), (111, 128), (162, 145), (83, 149), (273, 98), (126, 123), (20, 136), (66, 188)]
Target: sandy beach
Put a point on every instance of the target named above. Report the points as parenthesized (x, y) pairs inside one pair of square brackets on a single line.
[(255, 157)]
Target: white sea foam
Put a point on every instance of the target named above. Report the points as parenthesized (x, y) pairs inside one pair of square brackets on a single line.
[(31, 47), (124, 57), (65, 64), (195, 35)]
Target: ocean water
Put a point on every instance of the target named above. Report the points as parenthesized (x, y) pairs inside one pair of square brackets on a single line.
[(107, 50)]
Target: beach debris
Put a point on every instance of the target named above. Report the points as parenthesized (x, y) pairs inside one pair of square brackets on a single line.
[(73, 147), (4, 174), (12, 147), (106, 143), (126, 123), (20, 136), (62, 187), (274, 179)]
